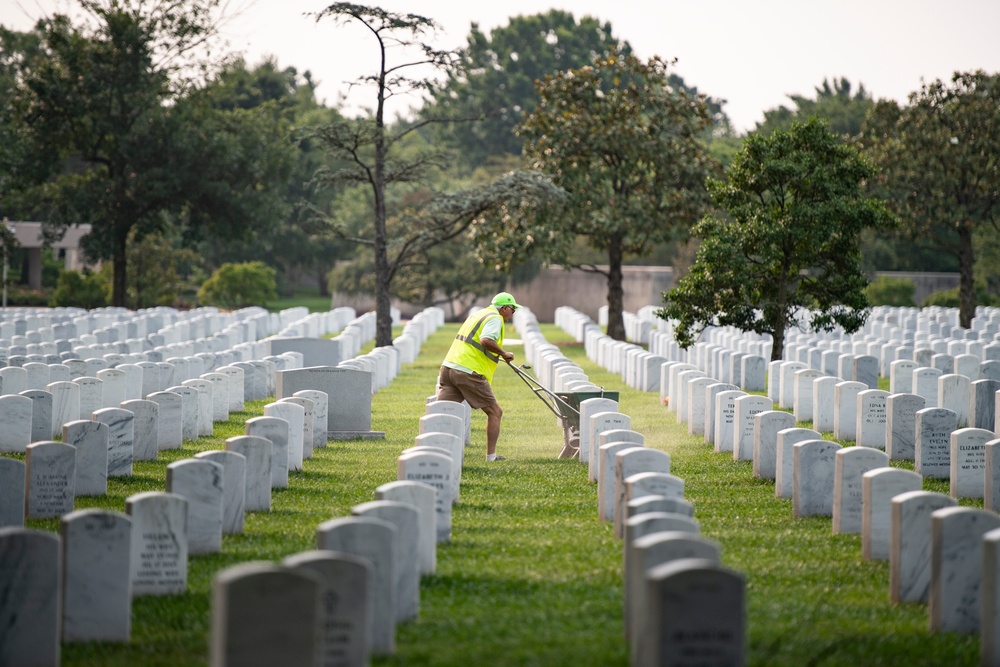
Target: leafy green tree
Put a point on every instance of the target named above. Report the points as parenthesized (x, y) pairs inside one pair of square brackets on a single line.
[(888, 291), (380, 160), (161, 271), (794, 206), (494, 78), (235, 286), (627, 151), (139, 146), (939, 158), (84, 289), (843, 108)]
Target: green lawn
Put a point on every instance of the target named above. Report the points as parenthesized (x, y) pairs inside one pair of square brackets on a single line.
[(531, 577)]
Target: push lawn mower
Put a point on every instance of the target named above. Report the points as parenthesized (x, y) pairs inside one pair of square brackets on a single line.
[(565, 405)]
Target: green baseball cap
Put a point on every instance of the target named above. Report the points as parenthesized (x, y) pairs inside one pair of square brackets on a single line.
[(504, 299)]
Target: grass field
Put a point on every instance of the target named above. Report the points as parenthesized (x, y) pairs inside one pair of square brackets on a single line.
[(531, 577)]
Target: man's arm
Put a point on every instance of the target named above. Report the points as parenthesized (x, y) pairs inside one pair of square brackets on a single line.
[(490, 345)]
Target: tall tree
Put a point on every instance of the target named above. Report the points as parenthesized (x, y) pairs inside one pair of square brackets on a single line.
[(940, 167), (787, 247), (627, 150), (842, 106), (365, 142), (495, 74), (114, 95), (377, 159)]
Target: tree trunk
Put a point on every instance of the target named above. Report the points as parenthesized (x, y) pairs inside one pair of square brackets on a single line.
[(966, 284), (616, 295), (118, 283), (383, 317), (324, 286), (778, 340)]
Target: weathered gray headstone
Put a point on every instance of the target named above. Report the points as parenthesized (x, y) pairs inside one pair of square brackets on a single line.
[(234, 478), (295, 416), (121, 436), (347, 610), (349, 413), (423, 496), (901, 425), (97, 588), (170, 423), (910, 544), (695, 615), (406, 519), (50, 479), (90, 438), (15, 415), (435, 470), (850, 463), (649, 551), (12, 492), (264, 614), (813, 468), (956, 567), (968, 462), (878, 488), (320, 410), (200, 482), (65, 404), (30, 587), (275, 430), (257, 453), (375, 540), (933, 440), (145, 428), (41, 413), (159, 543)]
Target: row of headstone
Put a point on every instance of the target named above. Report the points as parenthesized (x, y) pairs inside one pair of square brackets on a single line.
[(205, 496), (681, 605), (935, 548), (341, 603)]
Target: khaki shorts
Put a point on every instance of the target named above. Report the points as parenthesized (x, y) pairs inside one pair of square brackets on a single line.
[(457, 386)]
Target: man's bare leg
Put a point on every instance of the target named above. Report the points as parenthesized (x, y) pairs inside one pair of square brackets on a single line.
[(494, 413)]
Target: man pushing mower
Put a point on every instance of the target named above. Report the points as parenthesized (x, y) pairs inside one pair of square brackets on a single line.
[(467, 370)]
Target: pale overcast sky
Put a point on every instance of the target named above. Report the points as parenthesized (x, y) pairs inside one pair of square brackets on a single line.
[(750, 53)]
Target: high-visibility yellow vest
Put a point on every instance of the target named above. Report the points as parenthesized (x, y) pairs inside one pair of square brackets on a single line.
[(466, 350)]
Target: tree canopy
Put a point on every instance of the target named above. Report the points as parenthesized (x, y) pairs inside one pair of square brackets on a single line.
[(940, 168), (131, 144), (843, 107), (784, 252), (628, 152), (494, 77)]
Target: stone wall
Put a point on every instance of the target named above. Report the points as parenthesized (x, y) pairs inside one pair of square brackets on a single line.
[(925, 283), (587, 292)]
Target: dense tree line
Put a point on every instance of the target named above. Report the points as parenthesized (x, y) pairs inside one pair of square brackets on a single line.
[(546, 141)]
